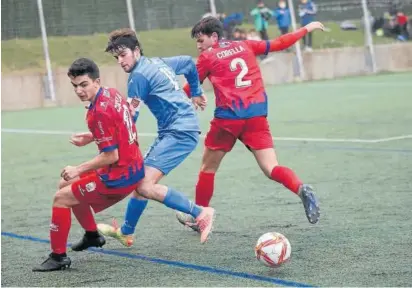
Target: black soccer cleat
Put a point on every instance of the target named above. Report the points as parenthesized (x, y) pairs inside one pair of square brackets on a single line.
[(89, 240), (53, 263), (310, 203)]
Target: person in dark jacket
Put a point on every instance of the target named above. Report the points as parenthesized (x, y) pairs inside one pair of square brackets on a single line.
[(282, 15), (307, 12)]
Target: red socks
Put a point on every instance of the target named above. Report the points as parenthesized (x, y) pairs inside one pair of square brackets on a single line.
[(59, 229), (206, 182), (85, 217), (204, 188), (287, 177)]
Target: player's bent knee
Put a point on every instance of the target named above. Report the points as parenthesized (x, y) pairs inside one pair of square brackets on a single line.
[(64, 198), (268, 171), (63, 183), (211, 160), (136, 195), (145, 190), (208, 169)]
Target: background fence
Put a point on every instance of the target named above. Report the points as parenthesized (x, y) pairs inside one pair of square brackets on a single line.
[(84, 17), (44, 58)]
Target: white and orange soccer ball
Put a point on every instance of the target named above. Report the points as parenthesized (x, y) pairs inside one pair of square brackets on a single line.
[(273, 249)]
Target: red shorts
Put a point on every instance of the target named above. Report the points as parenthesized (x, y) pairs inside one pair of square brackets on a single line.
[(91, 190), (253, 132)]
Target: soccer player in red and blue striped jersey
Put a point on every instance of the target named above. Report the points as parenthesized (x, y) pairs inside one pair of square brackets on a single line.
[(241, 108), (102, 181)]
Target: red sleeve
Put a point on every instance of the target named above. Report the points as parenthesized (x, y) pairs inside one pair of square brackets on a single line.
[(202, 66), (278, 44), (186, 88), (104, 132), (202, 70)]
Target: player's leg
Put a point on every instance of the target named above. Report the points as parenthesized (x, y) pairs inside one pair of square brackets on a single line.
[(63, 183), (84, 216), (178, 201), (219, 140), (171, 151), (167, 153), (205, 184), (135, 207), (258, 139), (267, 161), (59, 231)]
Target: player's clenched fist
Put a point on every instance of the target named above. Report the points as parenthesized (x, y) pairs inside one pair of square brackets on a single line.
[(69, 173), (315, 26)]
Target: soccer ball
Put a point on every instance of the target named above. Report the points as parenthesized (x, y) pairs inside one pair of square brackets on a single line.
[(273, 249)]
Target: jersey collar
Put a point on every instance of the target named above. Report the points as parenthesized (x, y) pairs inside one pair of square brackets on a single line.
[(95, 98), (141, 59)]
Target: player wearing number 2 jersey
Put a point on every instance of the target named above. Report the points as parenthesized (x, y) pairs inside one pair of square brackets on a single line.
[(241, 108), (153, 81)]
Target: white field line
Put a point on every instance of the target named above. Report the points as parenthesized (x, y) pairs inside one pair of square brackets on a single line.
[(293, 139)]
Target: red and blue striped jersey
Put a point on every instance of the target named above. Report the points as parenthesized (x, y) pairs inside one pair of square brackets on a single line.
[(109, 120)]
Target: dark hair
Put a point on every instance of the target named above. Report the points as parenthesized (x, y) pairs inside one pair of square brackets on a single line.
[(121, 39), (208, 26), (84, 66)]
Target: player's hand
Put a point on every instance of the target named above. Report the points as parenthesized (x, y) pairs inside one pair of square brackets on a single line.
[(81, 139), (200, 102), (134, 105), (69, 173), (315, 26)]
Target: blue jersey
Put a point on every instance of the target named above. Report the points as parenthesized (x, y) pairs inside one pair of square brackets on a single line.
[(153, 82)]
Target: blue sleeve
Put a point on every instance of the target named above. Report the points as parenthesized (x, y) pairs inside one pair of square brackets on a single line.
[(138, 87), (184, 65)]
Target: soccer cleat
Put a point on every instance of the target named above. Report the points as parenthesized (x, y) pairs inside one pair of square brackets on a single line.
[(53, 263), (184, 218), (310, 203), (205, 223), (115, 232), (89, 241)]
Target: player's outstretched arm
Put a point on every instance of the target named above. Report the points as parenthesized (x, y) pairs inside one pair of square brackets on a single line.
[(184, 65), (284, 41)]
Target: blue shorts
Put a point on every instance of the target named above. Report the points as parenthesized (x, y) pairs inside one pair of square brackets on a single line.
[(170, 149)]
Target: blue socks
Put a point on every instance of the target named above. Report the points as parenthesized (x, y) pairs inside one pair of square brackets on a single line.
[(180, 202), (134, 210)]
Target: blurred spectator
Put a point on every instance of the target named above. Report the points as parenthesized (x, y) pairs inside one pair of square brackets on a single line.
[(239, 34), (282, 15), (236, 34), (243, 34), (261, 14), (402, 25), (307, 12), (230, 22), (394, 24), (253, 35)]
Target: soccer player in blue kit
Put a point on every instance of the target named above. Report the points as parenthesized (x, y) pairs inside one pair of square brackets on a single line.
[(153, 81)]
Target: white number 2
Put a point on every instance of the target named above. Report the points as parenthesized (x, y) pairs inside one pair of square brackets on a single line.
[(239, 82)]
